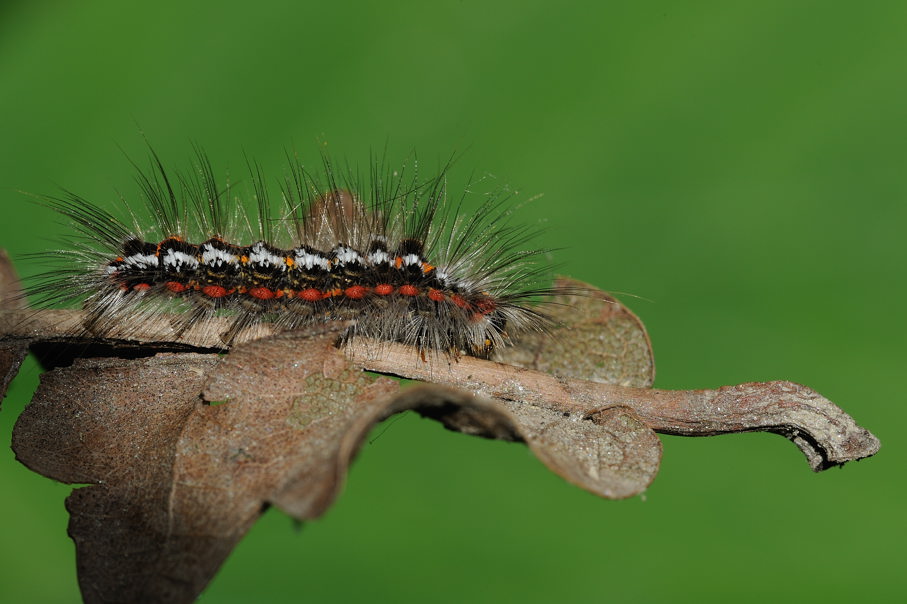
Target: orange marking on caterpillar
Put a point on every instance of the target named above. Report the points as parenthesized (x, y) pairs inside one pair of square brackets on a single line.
[(262, 293), (214, 291), (427, 268), (176, 287), (141, 287), (408, 290), (459, 301), (436, 295), (310, 295), (485, 306), (384, 289), (355, 292)]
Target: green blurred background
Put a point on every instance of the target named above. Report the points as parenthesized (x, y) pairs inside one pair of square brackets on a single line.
[(737, 167)]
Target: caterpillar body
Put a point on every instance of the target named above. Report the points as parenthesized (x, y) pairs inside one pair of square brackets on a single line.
[(399, 260)]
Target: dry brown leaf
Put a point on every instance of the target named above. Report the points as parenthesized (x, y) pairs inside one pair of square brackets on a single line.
[(609, 452), (178, 480), (11, 356), (184, 450), (597, 338)]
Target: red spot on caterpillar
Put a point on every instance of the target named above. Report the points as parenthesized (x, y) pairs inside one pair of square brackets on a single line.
[(175, 286), (310, 295), (355, 292), (214, 291), (140, 287), (409, 290), (485, 306), (459, 301), (436, 295), (262, 293), (384, 289)]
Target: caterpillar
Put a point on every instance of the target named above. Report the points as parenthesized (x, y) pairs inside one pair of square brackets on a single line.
[(397, 258)]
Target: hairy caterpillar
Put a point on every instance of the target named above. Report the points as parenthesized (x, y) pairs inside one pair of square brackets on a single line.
[(398, 260)]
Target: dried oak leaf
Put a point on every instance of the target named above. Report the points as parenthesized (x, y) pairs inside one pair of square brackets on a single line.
[(596, 338), (183, 451), (177, 481)]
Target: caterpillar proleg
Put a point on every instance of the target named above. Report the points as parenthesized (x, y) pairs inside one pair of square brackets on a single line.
[(391, 253)]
